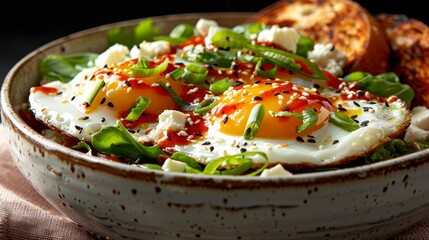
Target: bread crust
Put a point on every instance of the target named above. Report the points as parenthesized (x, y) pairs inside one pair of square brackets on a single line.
[(344, 23), (409, 41)]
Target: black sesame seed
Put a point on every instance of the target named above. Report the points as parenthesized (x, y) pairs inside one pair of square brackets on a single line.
[(103, 100), (257, 98), (354, 116), (310, 136), (285, 91), (238, 83), (245, 144), (78, 128), (235, 73), (364, 123), (277, 93), (317, 86), (110, 104), (105, 66), (198, 134), (92, 77), (356, 104), (366, 109), (372, 102), (311, 140), (131, 131), (103, 119), (206, 143), (126, 82), (386, 103), (335, 142), (257, 81), (342, 109), (268, 83), (299, 139), (225, 119), (211, 149), (168, 135), (359, 93), (73, 98), (59, 93), (84, 118), (179, 63), (242, 150), (286, 108)]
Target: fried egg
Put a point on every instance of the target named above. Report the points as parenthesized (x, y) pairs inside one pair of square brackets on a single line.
[(64, 106), (321, 144)]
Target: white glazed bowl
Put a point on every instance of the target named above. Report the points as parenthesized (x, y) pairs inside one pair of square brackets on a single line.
[(122, 202)]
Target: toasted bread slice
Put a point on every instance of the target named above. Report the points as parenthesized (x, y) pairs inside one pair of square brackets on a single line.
[(345, 23), (409, 40)]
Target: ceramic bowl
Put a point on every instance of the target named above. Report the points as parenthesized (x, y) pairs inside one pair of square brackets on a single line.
[(118, 201)]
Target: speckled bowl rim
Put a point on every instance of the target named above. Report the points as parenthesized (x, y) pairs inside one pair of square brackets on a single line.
[(413, 160)]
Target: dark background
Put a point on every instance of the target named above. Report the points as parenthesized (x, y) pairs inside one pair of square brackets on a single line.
[(33, 24)]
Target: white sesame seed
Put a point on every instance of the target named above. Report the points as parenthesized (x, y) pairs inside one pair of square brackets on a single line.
[(182, 133)]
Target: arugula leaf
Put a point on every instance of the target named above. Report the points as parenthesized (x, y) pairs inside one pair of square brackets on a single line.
[(119, 142), (65, 68), (144, 31), (395, 148)]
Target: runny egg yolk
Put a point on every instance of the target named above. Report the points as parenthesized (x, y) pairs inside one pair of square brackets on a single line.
[(121, 91), (235, 106)]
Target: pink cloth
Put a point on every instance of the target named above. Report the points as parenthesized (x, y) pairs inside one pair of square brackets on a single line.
[(25, 215)]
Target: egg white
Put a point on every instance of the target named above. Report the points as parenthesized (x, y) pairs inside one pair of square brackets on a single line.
[(326, 146)]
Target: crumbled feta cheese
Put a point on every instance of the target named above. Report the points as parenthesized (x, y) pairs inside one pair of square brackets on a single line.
[(203, 25), (329, 58), (419, 128), (169, 120), (114, 54), (276, 171), (171, 165), (150, 49), (285, 37)]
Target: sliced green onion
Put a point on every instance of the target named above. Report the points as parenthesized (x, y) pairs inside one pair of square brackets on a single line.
[(176, 74), (220, 86), (254, 121), (195, 74), (138, 108), (226, 39), (97, 86), (235, 164), (184, 30), (309, 118), (142, 69), (355, 76), (249, 28), (270, 73), (287, 60), (191, 162), (343, 121), (205, 106), (304, 45), (182, 104)]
